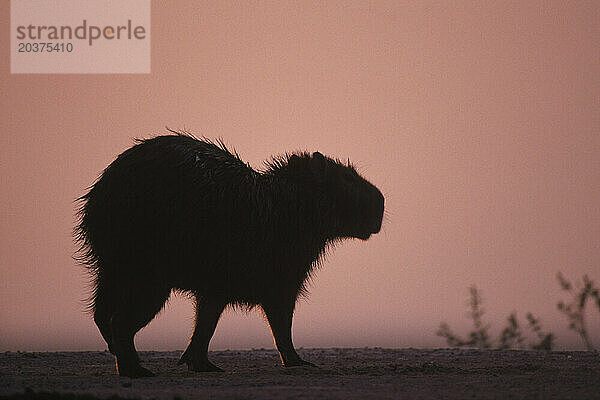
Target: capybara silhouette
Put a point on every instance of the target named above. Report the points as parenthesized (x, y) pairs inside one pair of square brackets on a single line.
[(178, 213)]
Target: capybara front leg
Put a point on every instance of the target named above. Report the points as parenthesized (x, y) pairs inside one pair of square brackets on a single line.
[(196, 354), (280, 320)]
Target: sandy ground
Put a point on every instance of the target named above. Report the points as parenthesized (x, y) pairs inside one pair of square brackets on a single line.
[(343, 374)]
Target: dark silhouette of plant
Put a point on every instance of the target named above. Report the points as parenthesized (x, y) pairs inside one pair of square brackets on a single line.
[(546, 340), (575, 310), (479, 336), (512, 335)]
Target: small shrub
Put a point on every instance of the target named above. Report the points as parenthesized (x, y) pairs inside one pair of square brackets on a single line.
[(512, 336), (575, 309)]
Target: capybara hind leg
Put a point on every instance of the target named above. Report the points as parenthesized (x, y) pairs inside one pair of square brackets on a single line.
[(103, 312), (196, 354), (280, 320), (128, 362), (127, 320), (102, 319)]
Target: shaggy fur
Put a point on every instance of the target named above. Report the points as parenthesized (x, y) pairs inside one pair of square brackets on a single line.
[(178, 213)]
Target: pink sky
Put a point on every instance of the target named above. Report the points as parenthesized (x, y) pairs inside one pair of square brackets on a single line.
[(479, 121)]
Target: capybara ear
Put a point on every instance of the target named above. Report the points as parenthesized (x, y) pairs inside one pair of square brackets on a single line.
[(318, 163), (318, 156)]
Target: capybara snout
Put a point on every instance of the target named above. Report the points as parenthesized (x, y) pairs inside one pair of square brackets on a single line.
[(375, 203), (178, 213)]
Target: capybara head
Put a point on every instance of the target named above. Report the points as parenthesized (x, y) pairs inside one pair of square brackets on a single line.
[(351, 205)]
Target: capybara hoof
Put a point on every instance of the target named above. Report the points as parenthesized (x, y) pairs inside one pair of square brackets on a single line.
[(198, 364), (300, 363), (135, 371)]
